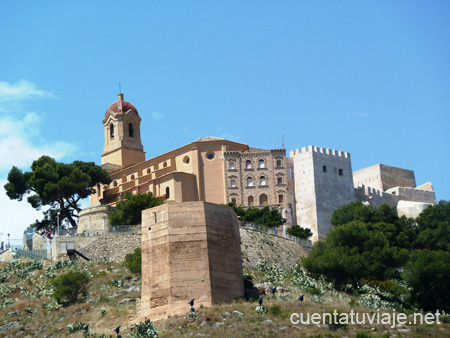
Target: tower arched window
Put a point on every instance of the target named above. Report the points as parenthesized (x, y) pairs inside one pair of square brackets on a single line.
[(261, 164), (249, 182), (130, 130), (111, 130), (248, 164), (167, 192)]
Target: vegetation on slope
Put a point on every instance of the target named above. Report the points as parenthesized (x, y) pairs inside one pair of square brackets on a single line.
[(376, 247)]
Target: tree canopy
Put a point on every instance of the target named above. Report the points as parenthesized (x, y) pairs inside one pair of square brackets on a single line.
[(299, 232), (129, 210), (56, 184), (264, 216), (369, 244)]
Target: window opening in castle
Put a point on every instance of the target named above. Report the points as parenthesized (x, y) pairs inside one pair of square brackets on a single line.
[(248, 164), (233, 200), (111, 130), (250, 200), (210, 156), (280, 199), (232, 183), (262, 180), (280, 180), (278, 163), (167, 193), (165, 164), (261, 164), (130, 130), (231, 165), (291, 172), (263, 199), (341, 172), (249, 182), (324, 168)]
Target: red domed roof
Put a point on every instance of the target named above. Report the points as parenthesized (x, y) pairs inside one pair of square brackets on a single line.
[(121, 106)]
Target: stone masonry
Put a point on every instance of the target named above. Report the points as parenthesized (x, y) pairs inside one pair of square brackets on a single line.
[(189, 250)]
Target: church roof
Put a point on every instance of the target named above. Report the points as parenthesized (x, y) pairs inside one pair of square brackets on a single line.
[(120, 106)]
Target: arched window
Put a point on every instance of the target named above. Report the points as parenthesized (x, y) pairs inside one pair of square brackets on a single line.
[(262, 180), (167, 193), (250, 200), (263, 199), (249, 182), (130, 130), (248, 164), (111, 130), (261, 164)]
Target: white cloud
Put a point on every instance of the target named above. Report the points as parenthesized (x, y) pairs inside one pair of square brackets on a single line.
[(22, 90), (16, 216), (21, 143), (157, 116)]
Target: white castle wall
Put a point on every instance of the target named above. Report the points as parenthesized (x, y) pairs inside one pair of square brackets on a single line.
[(323, 182)]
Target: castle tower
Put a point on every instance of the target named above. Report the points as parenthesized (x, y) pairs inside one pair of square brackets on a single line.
[(122, 127), (323, 183)]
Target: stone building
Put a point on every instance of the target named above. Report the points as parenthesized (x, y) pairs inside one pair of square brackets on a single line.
[(198, 171), (324, 181), (189, 250), (306, 187)]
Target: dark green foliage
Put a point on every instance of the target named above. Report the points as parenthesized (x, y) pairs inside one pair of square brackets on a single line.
[(434, 227), (428, 273), (69, 286), (298, 231), (352, 252), (264, 216), (133, 261), (371, 245), (144, 330), (129, 211), (56, 184)]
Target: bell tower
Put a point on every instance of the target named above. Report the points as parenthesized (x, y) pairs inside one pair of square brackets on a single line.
[(122, 128)]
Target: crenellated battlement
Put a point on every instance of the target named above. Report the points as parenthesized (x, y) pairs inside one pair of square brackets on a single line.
[(319, 150), (369, 191)]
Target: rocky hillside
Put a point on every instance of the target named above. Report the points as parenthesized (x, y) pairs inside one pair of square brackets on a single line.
[(259, 247), (28, 308)]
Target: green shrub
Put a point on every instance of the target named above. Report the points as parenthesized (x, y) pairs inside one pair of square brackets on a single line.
[(69, 286), (133, 261), (299, 232), (144, 330)]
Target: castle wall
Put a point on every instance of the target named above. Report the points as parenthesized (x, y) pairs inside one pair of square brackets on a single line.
[(323, 182), (383, 177), (189, 250), (413, 195)]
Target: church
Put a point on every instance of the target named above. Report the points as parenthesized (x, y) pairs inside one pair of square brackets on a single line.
[(305, 187)]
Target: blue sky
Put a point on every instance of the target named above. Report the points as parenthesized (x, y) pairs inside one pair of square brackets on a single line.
[(369, 78)]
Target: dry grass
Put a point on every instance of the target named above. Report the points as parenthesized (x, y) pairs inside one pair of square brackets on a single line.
[(101, 310)]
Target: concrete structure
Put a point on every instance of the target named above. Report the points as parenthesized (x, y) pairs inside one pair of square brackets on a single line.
[(189, 250), (323, 182)]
